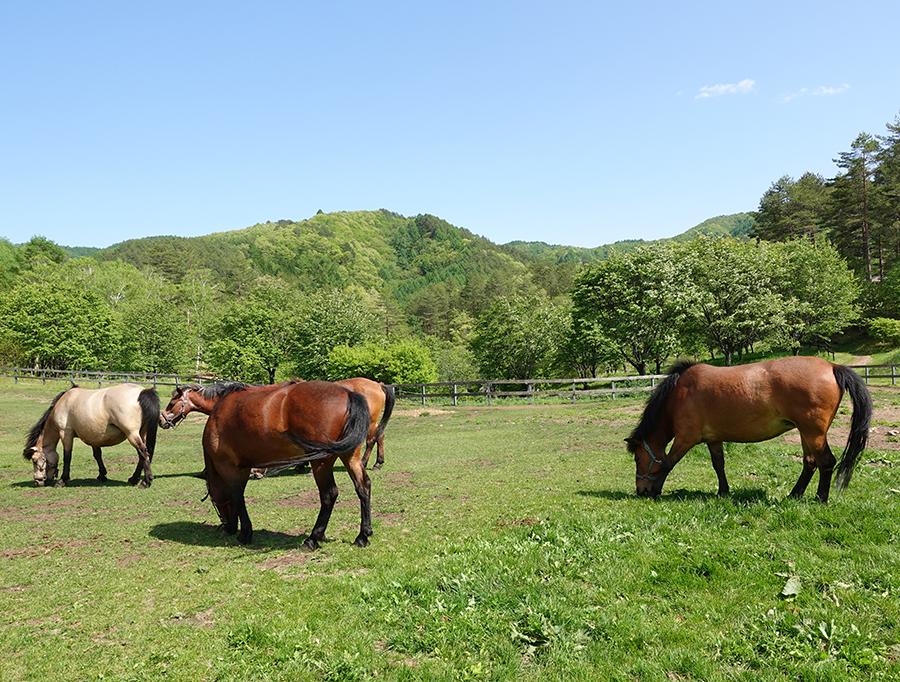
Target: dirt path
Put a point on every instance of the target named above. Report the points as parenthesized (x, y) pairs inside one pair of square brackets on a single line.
[(860, 360)]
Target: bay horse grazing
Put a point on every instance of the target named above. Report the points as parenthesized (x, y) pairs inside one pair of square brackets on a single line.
[(100, 418), (699, 403), (280, 426)]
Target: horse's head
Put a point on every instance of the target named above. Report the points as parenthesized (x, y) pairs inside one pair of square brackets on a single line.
[(178, 408), (650, 469), (45, 463)]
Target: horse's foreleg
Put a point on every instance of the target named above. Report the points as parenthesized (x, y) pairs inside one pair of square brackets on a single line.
[(67, 463), (68, 440), (363, 486), (717, 453), (328, 492), (679, 449), (101, 469)]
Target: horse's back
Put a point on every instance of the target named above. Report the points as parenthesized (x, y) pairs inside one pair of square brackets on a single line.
[(103, 416), (251, 428), (757, 401)]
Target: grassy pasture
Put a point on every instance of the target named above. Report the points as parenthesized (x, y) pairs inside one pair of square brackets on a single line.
[(508, 545)]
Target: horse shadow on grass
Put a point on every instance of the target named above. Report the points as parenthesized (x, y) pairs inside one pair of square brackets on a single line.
[(209, 535), (744, 496), (74, 483)]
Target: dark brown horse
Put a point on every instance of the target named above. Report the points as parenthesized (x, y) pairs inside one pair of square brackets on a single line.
[(280, 426), (189, 398), (747, 404)]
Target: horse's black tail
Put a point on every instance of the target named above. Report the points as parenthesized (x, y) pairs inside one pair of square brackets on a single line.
[(849, 381), (389, 399), (38, 427), (356, 428), (149, 402)]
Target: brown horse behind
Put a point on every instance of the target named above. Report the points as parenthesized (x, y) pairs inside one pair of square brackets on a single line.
[(699, 403), (283, 425)]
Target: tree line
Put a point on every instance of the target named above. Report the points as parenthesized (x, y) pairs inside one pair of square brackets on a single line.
[(410, 300)]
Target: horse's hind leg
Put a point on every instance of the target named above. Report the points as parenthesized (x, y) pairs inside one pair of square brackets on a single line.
[(825, 461), (816, 453), (366, 454), (143, 463), (328, 491), (363, 486), (239, 513), (101, 469), (379, 460), (717, 453)]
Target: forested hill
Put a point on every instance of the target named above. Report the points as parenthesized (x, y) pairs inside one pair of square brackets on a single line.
[(410, 261), (735, 224)]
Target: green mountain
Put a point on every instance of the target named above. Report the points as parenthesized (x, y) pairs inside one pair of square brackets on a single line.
[(735, 225), (421, 265)]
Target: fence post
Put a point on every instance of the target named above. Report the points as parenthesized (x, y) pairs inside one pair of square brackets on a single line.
[(453, 394), (867, 375), (613, 389), (43, 376), (489, 387), (15, 375), (531, 393), (154, 380), (574, 397), (893, 375), (423, 395)]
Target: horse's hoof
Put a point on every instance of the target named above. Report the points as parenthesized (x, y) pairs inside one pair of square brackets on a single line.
[(244, 537), (230, 530), (311, 544), (361, 540), (60, 484), (39, 484), (102, 478), (377, 466), (144, 484), (134, 480)]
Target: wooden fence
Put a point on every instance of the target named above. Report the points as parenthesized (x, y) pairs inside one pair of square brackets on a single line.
[(482, 390)]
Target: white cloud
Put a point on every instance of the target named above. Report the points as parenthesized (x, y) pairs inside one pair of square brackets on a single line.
[(719, 89), (821, 91)]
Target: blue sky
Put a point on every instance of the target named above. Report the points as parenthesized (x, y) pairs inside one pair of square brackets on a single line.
[(564, 122)]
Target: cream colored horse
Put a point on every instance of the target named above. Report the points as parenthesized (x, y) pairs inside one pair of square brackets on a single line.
[(100, 418)]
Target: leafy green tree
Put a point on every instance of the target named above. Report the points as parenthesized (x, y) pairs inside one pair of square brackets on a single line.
[(887, 196), (819, 290), (9, 264), (326, 319), (853, 197), (55, 325), (153, 334), (585, 350), (518, 337), (886, 330), (407, 361), (733, 302), (635, 301), (253, 337), (38, 250), (792, 208)]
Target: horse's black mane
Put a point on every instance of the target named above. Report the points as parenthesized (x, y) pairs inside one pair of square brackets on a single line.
[(656, 402), (214, 390), (36, 430)]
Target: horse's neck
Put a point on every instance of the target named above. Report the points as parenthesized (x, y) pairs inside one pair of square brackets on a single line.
[(199, 403)]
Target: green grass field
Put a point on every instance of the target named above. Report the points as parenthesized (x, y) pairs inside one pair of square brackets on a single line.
[(508, 545)]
